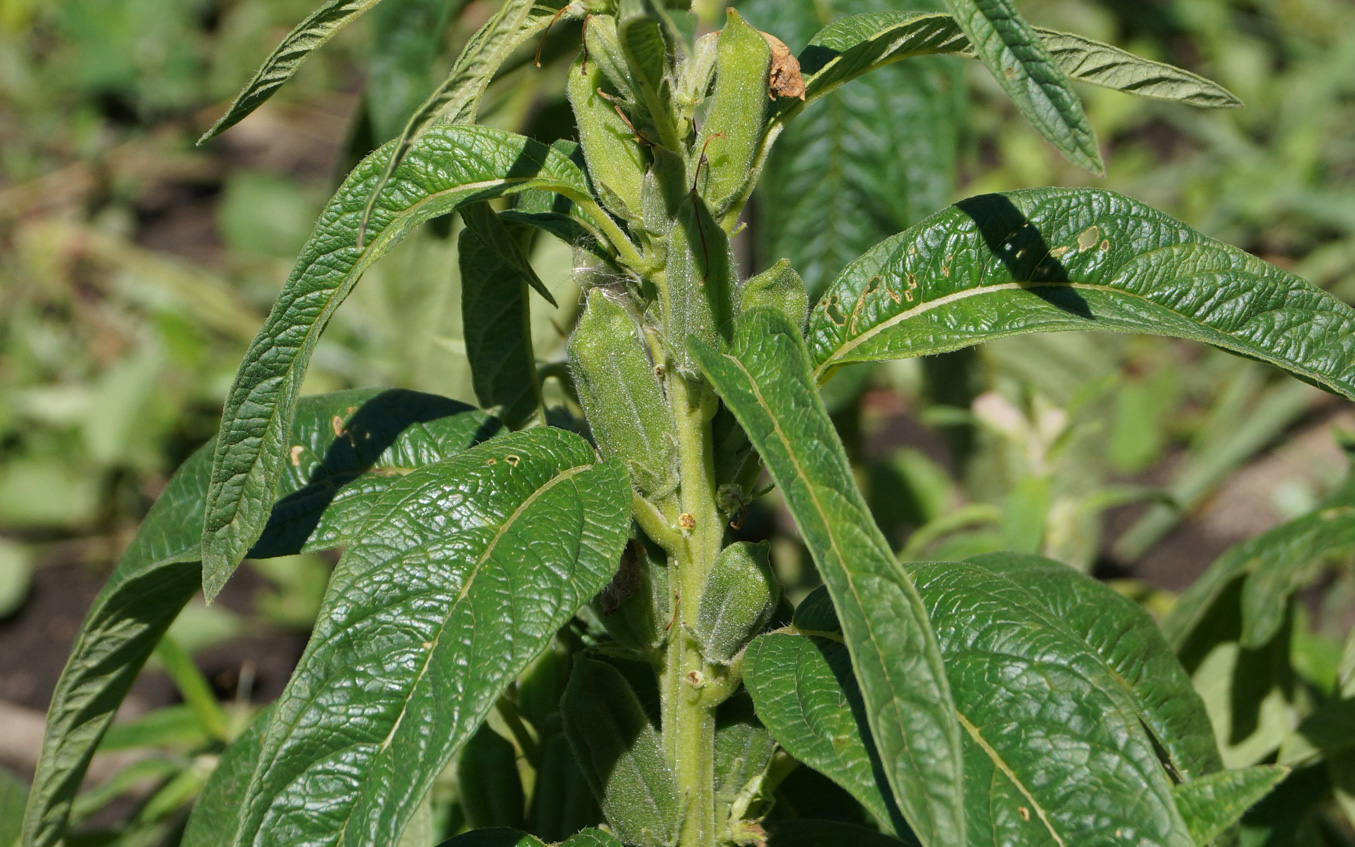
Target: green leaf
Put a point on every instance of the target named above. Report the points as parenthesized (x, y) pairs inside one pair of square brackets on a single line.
[(1047, 259), (805, 693), (1213, 803), (320, 26), (496, 315), (764, 378), (1022, 66), (457, 100), (1127, 642), (490, 788), (640, 31), (1273, 565), (209, 824), (812, 833), (743, 754), (852, 46), (620, 753), (1054, 752), (460, 576), (449, 167), (591, 838), (836, 184), (347, 448)]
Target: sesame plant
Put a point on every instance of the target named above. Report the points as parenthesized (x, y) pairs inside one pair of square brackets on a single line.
[(545, 595)]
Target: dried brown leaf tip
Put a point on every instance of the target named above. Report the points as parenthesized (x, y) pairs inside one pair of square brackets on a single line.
[(785, 80)]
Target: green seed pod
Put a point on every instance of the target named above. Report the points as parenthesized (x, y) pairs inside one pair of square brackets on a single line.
[(487, 774), (604, 50), (733, 130), (780, 288), (737, 602), (644, 42), (634, 607), (699, 271), (620, 755), (622, 397), (615, 161), (694, 77)]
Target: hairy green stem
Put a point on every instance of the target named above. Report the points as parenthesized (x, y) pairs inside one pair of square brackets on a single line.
[(689, 700)]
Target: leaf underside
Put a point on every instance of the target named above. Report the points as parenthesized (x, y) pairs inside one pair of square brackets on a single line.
[(450, 166), (1048, 259)]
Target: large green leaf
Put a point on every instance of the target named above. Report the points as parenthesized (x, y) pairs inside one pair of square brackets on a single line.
[(449, 167), (1021, 64), (1048, 259), (346, 448), (806, 695), (836, 183), (461, 574), (320, 26), (1054, 752), (764, 378), (457, 99), (1126, 640), (496, 315), (852, 46)]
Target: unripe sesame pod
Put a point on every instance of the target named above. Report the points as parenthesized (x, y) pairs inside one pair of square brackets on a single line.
[(620, 755), (699, 271), (487, 775), (622, 397), (780, 288), (616, 162), (738, 600), (738, 114)]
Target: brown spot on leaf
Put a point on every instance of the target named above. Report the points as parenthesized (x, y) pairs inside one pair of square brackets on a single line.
[(785, 79), (512, 459), (336, 423), (1023, 812), (1087, 240), (295, 453)]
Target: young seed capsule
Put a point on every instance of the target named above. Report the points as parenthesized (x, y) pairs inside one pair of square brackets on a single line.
[(699, 270), (622, 397), (616, 162), (738, 600), (620, 754), (732, 133), (780, 288), (491, 790)]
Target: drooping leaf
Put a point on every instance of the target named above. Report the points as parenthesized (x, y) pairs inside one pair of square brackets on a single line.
[(1022, 66), (805, 693), (457, 99), (1213, 803), (496, 316), (763, 377), (1273, 565), (460, 576), (345, 449), (449, 167), (1126, 640), (320, 26), (836, 182), (1054, 752), (1046, 259), (852, 46)]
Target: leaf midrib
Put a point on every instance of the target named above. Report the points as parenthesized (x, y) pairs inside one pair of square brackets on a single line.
[(1001, 764)]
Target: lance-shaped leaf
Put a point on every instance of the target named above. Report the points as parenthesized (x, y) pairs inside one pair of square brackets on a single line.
[(764, 378), (1128, 643), (320, 26), (1048, 259), (450, 166), (1021, 64), (805, 694), (459, 577), (496, 315), (855, 45), (1054, 752), (1213, 803), (343, 451), (457, 99)]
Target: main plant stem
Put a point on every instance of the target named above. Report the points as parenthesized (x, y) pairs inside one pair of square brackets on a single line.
[(689, 699)]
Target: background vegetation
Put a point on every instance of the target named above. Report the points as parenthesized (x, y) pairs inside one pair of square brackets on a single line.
[(135, 268)]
